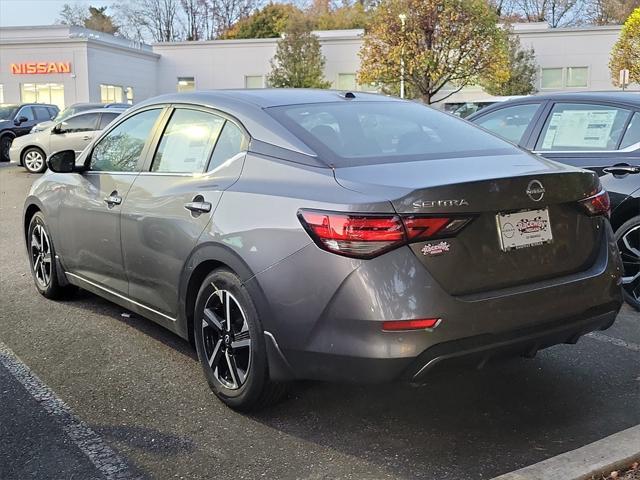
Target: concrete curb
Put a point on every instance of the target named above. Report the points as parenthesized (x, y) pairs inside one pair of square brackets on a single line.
[(611, 453)]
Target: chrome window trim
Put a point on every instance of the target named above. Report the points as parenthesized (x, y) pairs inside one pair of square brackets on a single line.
[(630, 148), (111, 292)]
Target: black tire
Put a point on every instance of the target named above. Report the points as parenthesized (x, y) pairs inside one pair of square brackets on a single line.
[(628, 240), (5, 145), (42, 260), (250, 387), (34, 160)]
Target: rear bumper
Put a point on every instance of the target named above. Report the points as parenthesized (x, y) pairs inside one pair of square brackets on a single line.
[(330, 326)]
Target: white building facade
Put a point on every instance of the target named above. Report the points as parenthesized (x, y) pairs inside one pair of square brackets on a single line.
[(64, 65)]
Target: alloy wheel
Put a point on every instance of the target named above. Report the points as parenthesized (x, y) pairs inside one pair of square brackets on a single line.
[(226, 339), (41, 255), (33, 160), (629, 246)]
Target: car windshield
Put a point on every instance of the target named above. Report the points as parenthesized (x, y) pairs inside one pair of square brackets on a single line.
[(66, 113), (360, 133), (7, 112)]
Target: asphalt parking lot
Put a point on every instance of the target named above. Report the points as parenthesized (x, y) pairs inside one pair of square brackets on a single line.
[(140, 391)]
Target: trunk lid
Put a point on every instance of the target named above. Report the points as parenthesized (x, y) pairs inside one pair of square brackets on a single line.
[(473, 260)]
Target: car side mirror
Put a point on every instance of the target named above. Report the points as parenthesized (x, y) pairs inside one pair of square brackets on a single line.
[(20, 120), (57, 129), (63, 161)]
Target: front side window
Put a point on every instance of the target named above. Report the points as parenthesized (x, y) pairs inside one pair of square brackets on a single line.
[(632, 133), (187, 142), (26, 112), (120, 149), (582, 127), (230, 143), (384, 132), (80, 123), (509, 122)]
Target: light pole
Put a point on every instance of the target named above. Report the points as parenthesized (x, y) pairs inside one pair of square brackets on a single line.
[(403, 19)]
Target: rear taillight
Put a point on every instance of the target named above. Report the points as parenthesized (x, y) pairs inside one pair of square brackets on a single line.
[(598, 204), (404, 325), (368, 235)]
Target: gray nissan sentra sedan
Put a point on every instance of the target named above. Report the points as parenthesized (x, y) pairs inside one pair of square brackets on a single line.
[(301, 234)]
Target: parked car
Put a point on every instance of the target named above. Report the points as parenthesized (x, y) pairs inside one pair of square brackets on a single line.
[(76, 108), (595, 130), (295, 233), (73, 133), (18, 119), (466, 109)]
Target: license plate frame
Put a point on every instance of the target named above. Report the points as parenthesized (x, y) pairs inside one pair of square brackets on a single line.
[(524, 229)]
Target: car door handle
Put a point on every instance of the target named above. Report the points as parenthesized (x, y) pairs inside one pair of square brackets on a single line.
[(113, 199), (621, 169), (87, 137), (198, 207)]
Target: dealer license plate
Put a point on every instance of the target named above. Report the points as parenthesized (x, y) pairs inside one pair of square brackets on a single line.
[(524, 229)]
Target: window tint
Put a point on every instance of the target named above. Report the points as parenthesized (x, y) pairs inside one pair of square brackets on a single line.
[(632, 134), (52, 112), (80, 123), (106, 119), (120, 149), (582, 127), (42, 113), (230, 143), (26, 112), (509, 122), (382, 132), (187, 142)]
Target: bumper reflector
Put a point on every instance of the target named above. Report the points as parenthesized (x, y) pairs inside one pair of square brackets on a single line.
[(400, 325)]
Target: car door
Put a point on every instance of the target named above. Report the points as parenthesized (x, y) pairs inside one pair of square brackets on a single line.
[(74, 133), (24, 121), (511, 122), (89, 217), (199, 154), (591, 135)]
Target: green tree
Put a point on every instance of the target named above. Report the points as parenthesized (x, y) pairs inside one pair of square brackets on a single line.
[(100, 21), (298, 62), (342, 18), (443, 42), (626, 51), (522, 72), (268, 22)]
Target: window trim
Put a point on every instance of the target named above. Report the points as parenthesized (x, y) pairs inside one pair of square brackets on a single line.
[(543, 121)]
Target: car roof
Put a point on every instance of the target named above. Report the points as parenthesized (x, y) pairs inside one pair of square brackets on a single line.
[(270, 97), (99, 110), (631, 98)]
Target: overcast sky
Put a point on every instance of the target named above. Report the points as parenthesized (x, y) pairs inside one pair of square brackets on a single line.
[(37, 12)]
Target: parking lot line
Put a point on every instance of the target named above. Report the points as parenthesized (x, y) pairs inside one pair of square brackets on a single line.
[(634, 347), (106, 461)]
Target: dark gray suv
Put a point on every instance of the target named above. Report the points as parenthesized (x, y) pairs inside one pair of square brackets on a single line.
[(298, 234)]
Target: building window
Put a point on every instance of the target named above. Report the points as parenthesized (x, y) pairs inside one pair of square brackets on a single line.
[(253, 81), (346, 81), (577, 76), (186, 84), (43, 93), (1, 93), (129, 94), (551, 78), (111, 94)]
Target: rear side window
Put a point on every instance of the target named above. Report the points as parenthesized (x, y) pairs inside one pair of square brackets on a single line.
[(632, 133), (106, 119), (42, 113), (509, 123), (120, 149), (582, 127), (80, 123), (357, 133), (187, 142), (230, 143)]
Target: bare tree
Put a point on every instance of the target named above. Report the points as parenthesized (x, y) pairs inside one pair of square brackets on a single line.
[(73, 15), (228, 12), (157, 18)]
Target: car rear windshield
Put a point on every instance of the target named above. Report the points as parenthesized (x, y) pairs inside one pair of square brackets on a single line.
[(360, 133)]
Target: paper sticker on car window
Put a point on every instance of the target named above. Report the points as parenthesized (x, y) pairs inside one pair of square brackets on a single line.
[(579, 128)]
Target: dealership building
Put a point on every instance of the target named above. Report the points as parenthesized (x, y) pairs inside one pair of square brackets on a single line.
[(63, 65)]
